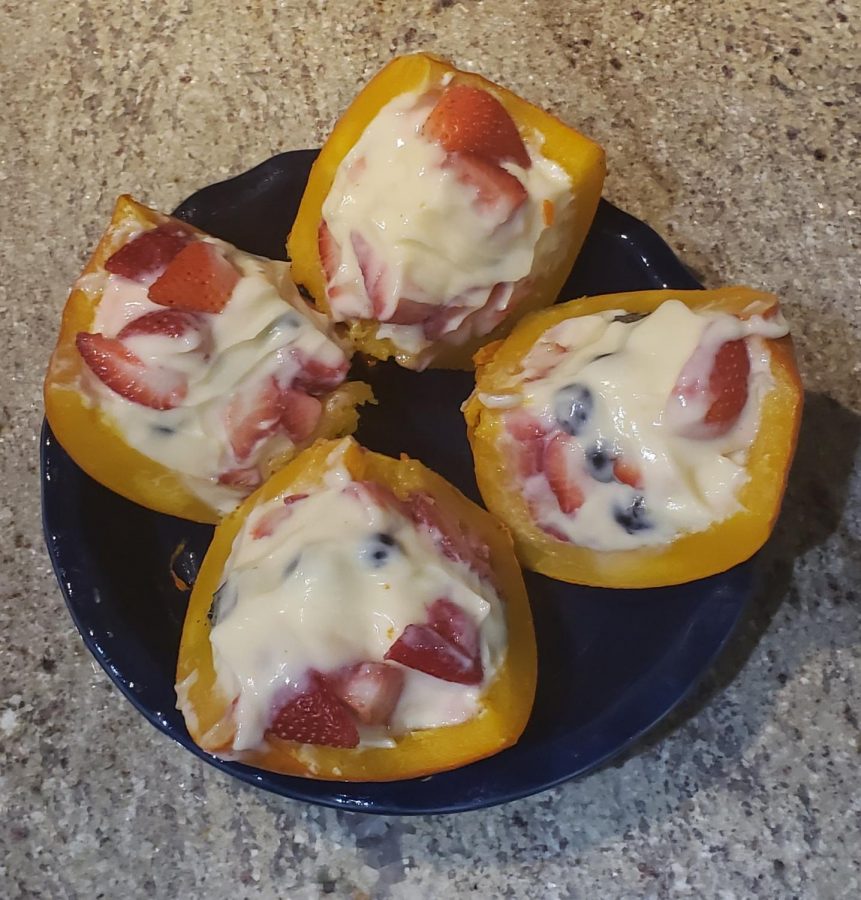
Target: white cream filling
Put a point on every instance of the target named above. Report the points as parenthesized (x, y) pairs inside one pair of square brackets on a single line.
[(262, 331), (631, 370), (307, 597), (438, 246)]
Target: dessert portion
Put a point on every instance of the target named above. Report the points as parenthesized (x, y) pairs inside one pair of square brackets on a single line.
[(638, 439), (441, 209), (187, 370), (357, 619)]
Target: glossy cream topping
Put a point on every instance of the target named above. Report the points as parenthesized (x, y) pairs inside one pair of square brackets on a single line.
[(622, 375), (318, 594), (430, 240), (266, 329)]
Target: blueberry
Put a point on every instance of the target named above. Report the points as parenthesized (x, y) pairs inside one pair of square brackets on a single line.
[(377, 550), (163, 429), (290, 568), (572, 407), (223, 601), (600, 458), (634, 517), (629, 318)]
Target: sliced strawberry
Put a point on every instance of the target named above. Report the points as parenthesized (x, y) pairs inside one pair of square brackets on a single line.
[(173, 323), (424, 649), (199, 278), (128, 375), (315, 716), (455, 541), (453, 623), (529, 435), (370, 689), (300, 414), (253, 414), (374, 273), (317, 378), (268, 523), (627, 472), (411, 312), (495, 188), (724, 389), (559, 469), (244, 479), (469, 120), (145, 257), (443, 320), (330, 254), (728, 386)]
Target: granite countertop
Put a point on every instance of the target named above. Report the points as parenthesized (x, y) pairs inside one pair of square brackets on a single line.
[(733, 129)]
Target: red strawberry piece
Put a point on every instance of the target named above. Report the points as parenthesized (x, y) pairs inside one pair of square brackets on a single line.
[(172, 323), (199, 278), (454, 624), (246, 479), (424, 649), (529, 435), (370, 689), (268, 523), (443, 320), (128, 375), (410, 312), (559, 460), (330, 255), (146, 256), (470, 120), (300, 414), (315, 716), (728, 386), (374, 273), (253, 413), (495, 188), (455, 541), (724, 389), (317, 378), (627, 472)]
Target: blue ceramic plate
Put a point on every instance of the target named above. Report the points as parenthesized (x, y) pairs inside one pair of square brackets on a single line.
[(611, 663)]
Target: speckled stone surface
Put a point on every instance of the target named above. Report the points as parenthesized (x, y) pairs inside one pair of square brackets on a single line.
[(733, 128)]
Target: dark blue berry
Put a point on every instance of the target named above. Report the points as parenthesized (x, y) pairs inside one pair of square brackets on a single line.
[(163, 429), (572, 407), (378, 549), (628, 318), (634, 517), (600, 458), (223, 601)]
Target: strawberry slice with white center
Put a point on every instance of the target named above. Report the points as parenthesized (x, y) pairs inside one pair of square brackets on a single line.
[(528, 435), (128, 375), (469, 120), (318, 378), (146, 256), (455, 541), (441, 648), (268, 523), (496, 190), (374, 273), (253, 414), (370, 689), (189, 329), (722, 392), (627, 472), (300, 414), (315, 716), (261, 410), (199, 278), (330, 257), (560, 459)]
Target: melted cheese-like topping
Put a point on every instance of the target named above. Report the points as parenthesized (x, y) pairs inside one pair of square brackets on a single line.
[(264, 329), (435, 243), (630, 370), (311, 595)]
